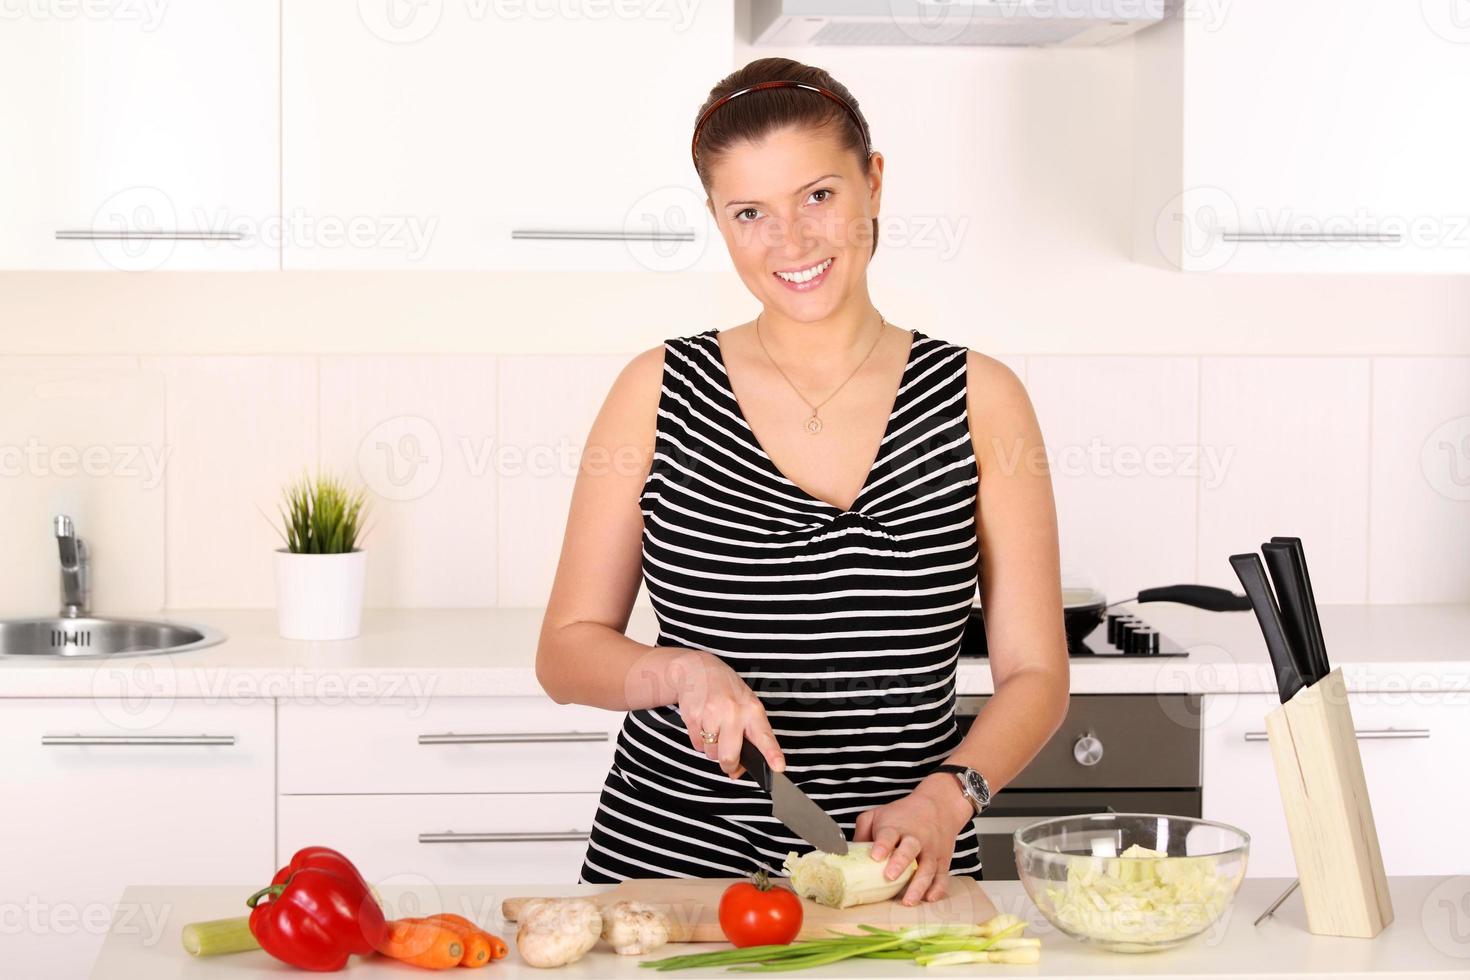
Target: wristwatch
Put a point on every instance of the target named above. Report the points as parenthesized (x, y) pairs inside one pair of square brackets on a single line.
[(972, 784)]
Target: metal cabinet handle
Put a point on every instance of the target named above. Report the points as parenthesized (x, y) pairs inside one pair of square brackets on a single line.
[(498, 738), (149, 236), (594, 235), (1362, 733), (502, 837), (137, 740), (1365, 237)]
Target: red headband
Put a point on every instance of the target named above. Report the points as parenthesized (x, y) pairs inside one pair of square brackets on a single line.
[(781, 83)]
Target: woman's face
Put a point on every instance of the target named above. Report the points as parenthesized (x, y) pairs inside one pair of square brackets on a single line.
[(797, 203)]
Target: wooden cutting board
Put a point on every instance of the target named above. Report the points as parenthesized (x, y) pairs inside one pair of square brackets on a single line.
[(692, 906)]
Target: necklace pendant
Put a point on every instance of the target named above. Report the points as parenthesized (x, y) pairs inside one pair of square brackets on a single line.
[(814, 424)]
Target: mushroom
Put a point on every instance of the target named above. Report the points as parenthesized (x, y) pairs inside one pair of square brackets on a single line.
[(555, 932), (634, 928)]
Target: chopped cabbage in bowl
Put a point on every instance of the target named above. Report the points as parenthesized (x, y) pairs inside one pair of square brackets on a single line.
[(1135, 900)]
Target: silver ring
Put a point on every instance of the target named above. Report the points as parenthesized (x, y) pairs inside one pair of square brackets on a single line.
[(709, 737)]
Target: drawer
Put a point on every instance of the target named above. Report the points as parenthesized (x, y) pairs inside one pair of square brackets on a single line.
[(418, 841), (445, 745)]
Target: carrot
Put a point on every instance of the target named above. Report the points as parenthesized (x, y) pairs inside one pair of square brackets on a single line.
[(421, 943), (476, 945), (495, 946)]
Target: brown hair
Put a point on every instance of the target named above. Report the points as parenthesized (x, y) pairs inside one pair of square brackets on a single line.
[(754, 115)]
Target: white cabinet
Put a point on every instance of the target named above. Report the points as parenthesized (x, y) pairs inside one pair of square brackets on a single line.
[(445, 745), (474, 790), (1413, 748), (1312, 136), (99, 794), (439, 139), (147, 135), (449, 838)]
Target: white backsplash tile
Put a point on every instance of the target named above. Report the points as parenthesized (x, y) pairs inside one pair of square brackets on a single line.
[(1121, 434), (547, 406), (239, 429), (420, 433), (1419, 528), (1296, 431), (82, 436)]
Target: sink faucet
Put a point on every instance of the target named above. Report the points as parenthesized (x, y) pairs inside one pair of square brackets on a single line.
[(76, 579)]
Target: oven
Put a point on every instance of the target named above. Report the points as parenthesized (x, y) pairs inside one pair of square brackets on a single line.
[(1120, 753)]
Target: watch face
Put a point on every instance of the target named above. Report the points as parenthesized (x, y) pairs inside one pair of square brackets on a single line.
[(977, 786)]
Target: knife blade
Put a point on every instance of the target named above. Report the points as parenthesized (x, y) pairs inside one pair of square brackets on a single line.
[(791, 806), (1316, 645), (1252, 575), (1292, 603)]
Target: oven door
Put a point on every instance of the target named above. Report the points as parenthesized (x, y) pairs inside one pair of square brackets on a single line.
[(1013, 809)]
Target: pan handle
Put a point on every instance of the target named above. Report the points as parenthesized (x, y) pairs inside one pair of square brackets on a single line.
[(1200, 596)]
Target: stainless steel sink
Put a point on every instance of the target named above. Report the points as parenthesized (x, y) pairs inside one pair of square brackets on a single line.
[(75, 632), (100, 636)]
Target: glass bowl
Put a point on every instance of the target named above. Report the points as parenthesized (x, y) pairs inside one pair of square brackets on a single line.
[(1178, 879)]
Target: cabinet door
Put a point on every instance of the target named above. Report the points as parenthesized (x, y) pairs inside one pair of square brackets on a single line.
[(450, 838), (1341, 118), (473, 136), (1411, 746), (99, 794), (145, 135)]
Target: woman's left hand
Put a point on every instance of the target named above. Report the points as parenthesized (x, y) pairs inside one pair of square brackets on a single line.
[(922, 825)]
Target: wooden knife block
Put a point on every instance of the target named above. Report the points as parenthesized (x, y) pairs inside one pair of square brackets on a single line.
[(1320, 773)]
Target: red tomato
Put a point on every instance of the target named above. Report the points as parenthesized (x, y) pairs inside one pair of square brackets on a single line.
[(757, 913)]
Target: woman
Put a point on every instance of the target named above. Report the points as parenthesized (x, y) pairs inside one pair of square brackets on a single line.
[(810, 498)]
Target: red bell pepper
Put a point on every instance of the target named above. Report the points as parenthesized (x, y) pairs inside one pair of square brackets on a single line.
[(319, 911)]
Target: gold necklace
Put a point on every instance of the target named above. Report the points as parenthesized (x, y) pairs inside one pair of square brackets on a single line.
[(814, 423)]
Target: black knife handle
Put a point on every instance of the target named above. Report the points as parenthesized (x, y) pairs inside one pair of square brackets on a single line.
[(1252, 575), (1316, 645), (1292, 604), (755, 763)]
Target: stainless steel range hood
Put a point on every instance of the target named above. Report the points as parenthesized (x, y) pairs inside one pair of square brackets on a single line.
[(1010, 23)]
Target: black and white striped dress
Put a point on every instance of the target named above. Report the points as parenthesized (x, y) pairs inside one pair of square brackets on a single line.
[(845, 623)]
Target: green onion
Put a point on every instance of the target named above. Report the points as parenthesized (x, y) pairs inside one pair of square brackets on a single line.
[(936, 945)]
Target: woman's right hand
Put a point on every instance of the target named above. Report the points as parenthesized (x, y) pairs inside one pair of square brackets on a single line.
[(715, 698)]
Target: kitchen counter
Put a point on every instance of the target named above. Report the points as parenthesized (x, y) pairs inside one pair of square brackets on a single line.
[(1429, 938), (464, 652)]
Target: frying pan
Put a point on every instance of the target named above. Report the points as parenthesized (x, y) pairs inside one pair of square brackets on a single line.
[(1083, 609)]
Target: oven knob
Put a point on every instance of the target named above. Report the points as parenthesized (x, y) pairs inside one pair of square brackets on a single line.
[(1087, 750)]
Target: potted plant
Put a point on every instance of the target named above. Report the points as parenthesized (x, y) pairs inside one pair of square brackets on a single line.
[(320, 572)]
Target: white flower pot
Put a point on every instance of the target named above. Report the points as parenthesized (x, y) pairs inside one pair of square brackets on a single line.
[(319, 597)]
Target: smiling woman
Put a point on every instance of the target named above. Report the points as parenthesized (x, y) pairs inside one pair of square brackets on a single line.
[(810, 519)]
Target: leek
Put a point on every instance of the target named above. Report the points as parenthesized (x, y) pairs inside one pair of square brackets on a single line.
[(219, 936)]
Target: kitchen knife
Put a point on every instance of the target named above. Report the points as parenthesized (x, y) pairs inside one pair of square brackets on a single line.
[(1252, 575), (1316, 645), (1292, 603), (791, 806)]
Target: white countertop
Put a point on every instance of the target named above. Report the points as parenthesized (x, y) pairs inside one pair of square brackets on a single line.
[(465, 652), (1430, 937)]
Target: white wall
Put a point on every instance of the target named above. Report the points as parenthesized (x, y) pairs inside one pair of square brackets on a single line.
[(1333, 407)]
